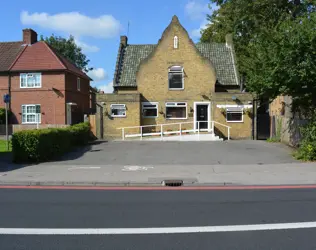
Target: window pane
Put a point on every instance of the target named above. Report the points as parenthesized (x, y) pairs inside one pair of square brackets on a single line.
[(23, 118), (175, 81), (118, 111), (30, 109), (23, 109), (149, 112), (31, 80), (30, 118), (176, 112), (234, 116), (23, 80), (37, 80)]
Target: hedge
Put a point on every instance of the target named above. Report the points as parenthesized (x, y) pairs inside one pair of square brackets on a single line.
[(307, 147), (40, 145)]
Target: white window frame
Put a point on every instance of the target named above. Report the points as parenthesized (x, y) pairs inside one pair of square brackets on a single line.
[(149, 103), (175, 42), (178, 72), (177, 104), (242, 115), (36, 114), (30, 75), (123, 107), (78, 83)]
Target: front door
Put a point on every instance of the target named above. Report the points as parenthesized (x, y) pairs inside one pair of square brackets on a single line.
[(68, 112), (202, 116)]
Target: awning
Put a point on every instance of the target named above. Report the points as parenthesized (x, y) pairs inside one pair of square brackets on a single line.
[(234, 109)]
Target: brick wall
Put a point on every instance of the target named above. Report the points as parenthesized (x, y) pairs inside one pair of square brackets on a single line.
[(199, 86), (52, 101), (80, 97), (110, 124), (3, 89)]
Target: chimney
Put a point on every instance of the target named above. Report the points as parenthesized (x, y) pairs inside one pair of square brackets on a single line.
[(29, 36), (124, 40), (229, 40)]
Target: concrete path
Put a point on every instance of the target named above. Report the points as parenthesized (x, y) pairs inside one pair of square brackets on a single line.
[(134, 175)]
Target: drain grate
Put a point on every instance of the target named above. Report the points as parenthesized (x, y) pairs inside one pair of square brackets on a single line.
[(172, 183)]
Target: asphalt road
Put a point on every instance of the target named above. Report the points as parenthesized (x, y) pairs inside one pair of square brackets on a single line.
[(239, 152), (83, 209)]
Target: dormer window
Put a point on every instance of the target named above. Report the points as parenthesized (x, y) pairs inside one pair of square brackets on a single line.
[(176, 80), (175, 42)]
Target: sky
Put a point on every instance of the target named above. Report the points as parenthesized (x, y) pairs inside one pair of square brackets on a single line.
[(98, 24)]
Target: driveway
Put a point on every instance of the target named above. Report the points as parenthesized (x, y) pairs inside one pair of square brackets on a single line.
[(180, 153)]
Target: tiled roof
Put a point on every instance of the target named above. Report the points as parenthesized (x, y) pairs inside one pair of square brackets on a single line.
[(41, 56), (37, 57), (131, 56), (69, 65), (15, 56), (8, 53), (221, 57)]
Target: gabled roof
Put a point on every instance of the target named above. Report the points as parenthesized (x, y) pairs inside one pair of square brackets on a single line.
[(41, 56), (8, 53), (131, 56)]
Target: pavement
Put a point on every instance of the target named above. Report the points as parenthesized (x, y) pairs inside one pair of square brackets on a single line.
[(151, 163), (179, 220)]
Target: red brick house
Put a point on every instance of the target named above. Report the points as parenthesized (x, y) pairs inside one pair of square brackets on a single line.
[(38, 78)]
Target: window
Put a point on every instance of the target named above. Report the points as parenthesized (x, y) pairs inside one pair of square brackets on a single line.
[(234, 115), (176, 77), (175, 42), (78, 83), (176, 110), (118, 110), (31, 114), (150, 109), (30, 80)]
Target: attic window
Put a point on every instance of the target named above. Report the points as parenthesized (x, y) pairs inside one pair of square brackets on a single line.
[(175, 42), (176, 80)]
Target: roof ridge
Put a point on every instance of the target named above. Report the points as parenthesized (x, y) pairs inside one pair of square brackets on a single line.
[(53, 52), (13, 42)]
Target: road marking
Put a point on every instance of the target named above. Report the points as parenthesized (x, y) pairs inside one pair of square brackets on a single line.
[(135, 168), (157, 230), (160, 188), (74, 168)]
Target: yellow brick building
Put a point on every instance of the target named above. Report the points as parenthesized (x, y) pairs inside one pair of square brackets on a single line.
[(176, 81)]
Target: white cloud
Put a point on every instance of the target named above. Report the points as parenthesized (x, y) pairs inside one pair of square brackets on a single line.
[(98, 74), (108, 88), (86, 47), (196, 10), (197, 32), (74, 23)]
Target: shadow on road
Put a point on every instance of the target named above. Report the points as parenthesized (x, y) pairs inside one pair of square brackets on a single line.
[(6, 163)]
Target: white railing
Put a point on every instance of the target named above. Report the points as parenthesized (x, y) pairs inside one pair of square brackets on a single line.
[(228, 128), (180, 131)]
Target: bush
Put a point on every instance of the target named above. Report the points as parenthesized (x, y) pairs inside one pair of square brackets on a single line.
[(307, 147), (46, 144)]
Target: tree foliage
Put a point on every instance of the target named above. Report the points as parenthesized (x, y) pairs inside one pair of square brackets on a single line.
[(274, 43), (70, 50)]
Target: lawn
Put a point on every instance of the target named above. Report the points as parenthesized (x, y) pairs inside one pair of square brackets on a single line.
[(3, 146)]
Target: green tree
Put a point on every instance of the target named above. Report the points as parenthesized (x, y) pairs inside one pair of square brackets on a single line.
[(70, 50), (246, 19), (282, 60), (274, 43)]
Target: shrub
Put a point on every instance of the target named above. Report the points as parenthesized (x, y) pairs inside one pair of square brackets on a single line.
[(46, 144), (307, 147)]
